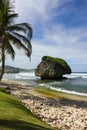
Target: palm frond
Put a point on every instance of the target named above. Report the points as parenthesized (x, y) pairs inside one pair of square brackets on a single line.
[(12, 34), (19, 44), (10, 51), (24, 39), (7, 14), (15, 28), (28, 29), (11, 17), (1, 3), (9, 6), (22, 27), (14, 40)]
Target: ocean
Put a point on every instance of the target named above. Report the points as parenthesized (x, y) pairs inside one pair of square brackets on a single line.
[(75, 84)]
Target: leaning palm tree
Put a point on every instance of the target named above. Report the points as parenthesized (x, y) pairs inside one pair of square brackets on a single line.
[(12, 34)]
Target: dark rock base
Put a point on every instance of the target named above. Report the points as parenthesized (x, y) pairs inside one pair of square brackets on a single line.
[(54, 78)]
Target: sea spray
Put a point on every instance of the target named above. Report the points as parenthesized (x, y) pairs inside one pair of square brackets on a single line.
[(75, 84)]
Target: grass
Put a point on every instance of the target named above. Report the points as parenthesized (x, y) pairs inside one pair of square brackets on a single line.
[(47, 92), (14, 116), (57, 60)]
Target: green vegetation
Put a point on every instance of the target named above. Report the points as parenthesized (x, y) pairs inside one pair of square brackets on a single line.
[(47, 92), (2, 90), (11, 34), (14, 116), (57, 60)]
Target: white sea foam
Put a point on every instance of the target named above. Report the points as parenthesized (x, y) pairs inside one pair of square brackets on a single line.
[(26, 74), (76, 75), (61, 89), (85, 77), (42, 84), (17, 77), (75, 80), (69, 92)]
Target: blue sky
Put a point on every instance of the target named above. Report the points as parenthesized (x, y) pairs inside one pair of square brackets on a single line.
[(59, 30)]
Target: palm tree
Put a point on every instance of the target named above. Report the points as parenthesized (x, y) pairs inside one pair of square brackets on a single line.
[(12, 34)]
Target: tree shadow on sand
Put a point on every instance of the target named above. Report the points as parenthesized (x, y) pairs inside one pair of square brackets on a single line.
[(20, 125)]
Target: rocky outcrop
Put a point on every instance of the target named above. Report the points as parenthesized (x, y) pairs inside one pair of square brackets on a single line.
[(52, 68)]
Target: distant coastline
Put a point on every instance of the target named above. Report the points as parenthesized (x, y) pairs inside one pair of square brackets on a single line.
[(11, 69)]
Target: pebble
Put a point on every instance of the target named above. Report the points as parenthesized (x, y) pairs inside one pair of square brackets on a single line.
[(57, 115)]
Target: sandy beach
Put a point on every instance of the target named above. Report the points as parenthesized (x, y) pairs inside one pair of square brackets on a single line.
[(61, 114)]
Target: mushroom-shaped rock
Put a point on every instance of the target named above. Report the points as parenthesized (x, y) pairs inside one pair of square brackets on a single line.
[(52, 68)]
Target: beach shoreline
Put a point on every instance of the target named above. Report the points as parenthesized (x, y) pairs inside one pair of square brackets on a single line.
[(59, 113)]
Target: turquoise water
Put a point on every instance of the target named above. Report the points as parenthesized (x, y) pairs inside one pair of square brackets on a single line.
[(76, 82)]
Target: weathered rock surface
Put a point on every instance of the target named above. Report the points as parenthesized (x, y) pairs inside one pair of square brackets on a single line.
[(52, 68)]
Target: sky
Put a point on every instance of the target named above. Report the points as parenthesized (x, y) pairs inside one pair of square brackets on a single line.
[(59, 30)]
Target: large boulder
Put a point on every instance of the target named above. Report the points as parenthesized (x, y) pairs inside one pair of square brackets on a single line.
[(52, 68)]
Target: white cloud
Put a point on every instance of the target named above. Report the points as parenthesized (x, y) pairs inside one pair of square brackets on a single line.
[(56, 41), (35, 11), (65, 44), (32, 10)]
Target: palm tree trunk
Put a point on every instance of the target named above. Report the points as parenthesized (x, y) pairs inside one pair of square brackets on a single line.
[(3, 64)]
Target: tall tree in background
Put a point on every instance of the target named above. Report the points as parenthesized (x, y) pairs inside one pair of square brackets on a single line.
[(12, 34)]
